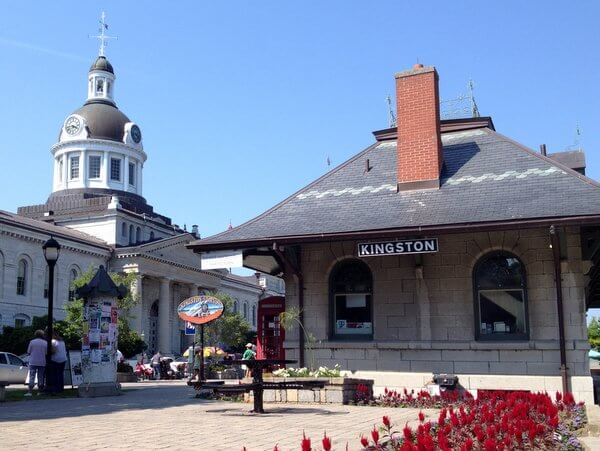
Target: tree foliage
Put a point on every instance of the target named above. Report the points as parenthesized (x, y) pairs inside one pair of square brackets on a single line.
[(594, 334), (230, 331)]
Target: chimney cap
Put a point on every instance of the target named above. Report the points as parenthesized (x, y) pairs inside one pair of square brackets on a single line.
[(417, 69)]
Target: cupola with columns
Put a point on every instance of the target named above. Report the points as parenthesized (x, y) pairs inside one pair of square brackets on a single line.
[(99, 147)]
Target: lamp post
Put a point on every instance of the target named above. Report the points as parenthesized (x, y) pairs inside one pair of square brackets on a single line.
[(51, 252)]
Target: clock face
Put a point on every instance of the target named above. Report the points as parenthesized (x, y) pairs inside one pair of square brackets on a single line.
[(136, 134), (72, 125)]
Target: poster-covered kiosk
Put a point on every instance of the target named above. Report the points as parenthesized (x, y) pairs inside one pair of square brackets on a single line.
[(270, 334)]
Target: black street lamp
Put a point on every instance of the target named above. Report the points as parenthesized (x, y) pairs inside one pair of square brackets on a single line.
[(51, 252)]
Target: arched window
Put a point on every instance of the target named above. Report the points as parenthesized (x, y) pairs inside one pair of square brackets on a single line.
[(22, 281), (151, 235), (22, 320), (46, 281), (351, 292), (123, 229), (131, 235), (235, 306), (73, 275), (138, 235), (245, 307), (500, 295), (254, 315)]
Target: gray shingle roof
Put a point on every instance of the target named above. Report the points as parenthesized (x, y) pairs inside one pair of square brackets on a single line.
[(51, 229), (486, 177)]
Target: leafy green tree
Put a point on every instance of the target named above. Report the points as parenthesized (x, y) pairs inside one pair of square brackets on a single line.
[(594, 334), (130, 342), (230, 330)]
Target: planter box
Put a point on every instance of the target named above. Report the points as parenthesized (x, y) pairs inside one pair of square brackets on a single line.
[(126, 377), (337, 390)]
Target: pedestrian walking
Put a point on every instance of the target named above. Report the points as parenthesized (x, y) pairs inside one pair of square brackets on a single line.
[(37, 361), (155, 361), (249, 354)]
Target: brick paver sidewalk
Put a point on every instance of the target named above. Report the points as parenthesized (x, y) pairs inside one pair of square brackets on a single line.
[(166, 415)]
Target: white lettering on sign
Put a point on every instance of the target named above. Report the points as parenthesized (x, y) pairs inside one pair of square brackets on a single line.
[(221, 260), (418, 246)]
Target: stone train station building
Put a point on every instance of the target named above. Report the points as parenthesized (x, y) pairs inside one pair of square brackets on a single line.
[(444, 247)]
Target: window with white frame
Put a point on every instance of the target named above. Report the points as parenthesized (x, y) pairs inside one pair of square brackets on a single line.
[(95, 163), (123, 229), (245, 311), (131, 234), (22, 277), (73, 275), (138, 235), (60, 169), (74, 168), (21, 320), (115, 169), (131, 174)]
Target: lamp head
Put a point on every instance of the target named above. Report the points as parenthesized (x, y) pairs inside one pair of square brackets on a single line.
[(51, 250)]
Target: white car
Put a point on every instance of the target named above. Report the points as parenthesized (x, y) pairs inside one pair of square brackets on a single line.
[(13, 370)]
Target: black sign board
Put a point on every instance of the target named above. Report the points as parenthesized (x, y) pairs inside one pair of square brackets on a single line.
[(418, 246)]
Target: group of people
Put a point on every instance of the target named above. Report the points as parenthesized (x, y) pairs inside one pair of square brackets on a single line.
[(49, 374)]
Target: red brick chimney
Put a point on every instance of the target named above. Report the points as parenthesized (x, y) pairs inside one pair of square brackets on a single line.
[(419, 147)]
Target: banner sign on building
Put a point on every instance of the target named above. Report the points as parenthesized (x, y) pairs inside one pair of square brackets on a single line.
[(418, 246), (221, 260)]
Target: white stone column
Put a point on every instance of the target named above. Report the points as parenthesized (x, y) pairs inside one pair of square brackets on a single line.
[(126, 174), (83, 168), (106, 168), (164, 313), (139, 178), (65, 178), (135, 321)]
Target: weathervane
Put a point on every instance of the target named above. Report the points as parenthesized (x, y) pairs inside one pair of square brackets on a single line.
[(103, 37)]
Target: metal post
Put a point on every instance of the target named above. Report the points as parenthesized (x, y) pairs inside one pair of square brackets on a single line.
[(49, 330), (554, 239), (202, 352)]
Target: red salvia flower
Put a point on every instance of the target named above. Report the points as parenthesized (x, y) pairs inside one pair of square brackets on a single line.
[(276, 448), (386, 421), (375, 435), (407, 431), (421, 417), (326, 443), (363, 441), (305, 444)]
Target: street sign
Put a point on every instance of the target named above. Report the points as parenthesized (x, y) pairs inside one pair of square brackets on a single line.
[(190, 329), (200, 309)]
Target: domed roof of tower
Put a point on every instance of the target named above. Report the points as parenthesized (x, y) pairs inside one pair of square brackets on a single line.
[(104, 120), (102, 63)]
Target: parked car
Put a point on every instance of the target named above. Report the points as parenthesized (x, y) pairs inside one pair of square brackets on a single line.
[(179, 367), (13, 370)]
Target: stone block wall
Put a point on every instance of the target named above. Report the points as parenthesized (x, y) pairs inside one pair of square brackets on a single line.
[(424, 322)]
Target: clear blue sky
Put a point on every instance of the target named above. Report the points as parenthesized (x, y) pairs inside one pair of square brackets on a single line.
[(240, 103)]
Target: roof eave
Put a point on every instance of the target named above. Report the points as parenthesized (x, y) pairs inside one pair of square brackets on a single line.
[(199, 246)]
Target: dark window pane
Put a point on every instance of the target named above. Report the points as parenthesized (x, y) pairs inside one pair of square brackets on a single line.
[(351, 286), (502, 311), (499, 271)]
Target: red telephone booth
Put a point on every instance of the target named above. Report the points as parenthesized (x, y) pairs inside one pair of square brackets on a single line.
[(270, 334)]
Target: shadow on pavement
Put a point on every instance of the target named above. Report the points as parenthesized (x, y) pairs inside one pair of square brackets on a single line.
[(133, 398)]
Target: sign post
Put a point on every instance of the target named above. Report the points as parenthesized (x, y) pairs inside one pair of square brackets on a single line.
[(199, 310)]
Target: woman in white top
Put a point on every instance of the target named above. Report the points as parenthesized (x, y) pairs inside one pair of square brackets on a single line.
[(57, 365)]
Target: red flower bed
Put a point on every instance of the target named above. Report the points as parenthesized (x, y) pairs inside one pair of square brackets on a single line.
[(494, 421)]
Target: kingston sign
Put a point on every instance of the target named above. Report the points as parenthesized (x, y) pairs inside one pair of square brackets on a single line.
[(419, 246)]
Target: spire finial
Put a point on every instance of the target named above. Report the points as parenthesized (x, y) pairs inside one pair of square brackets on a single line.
[(102, 36)]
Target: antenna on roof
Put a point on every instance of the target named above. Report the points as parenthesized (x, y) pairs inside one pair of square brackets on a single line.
[(462, 106), (474, 109), (391, 114), (102, 36), (230, 226), (328, 161), (576, 140)]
